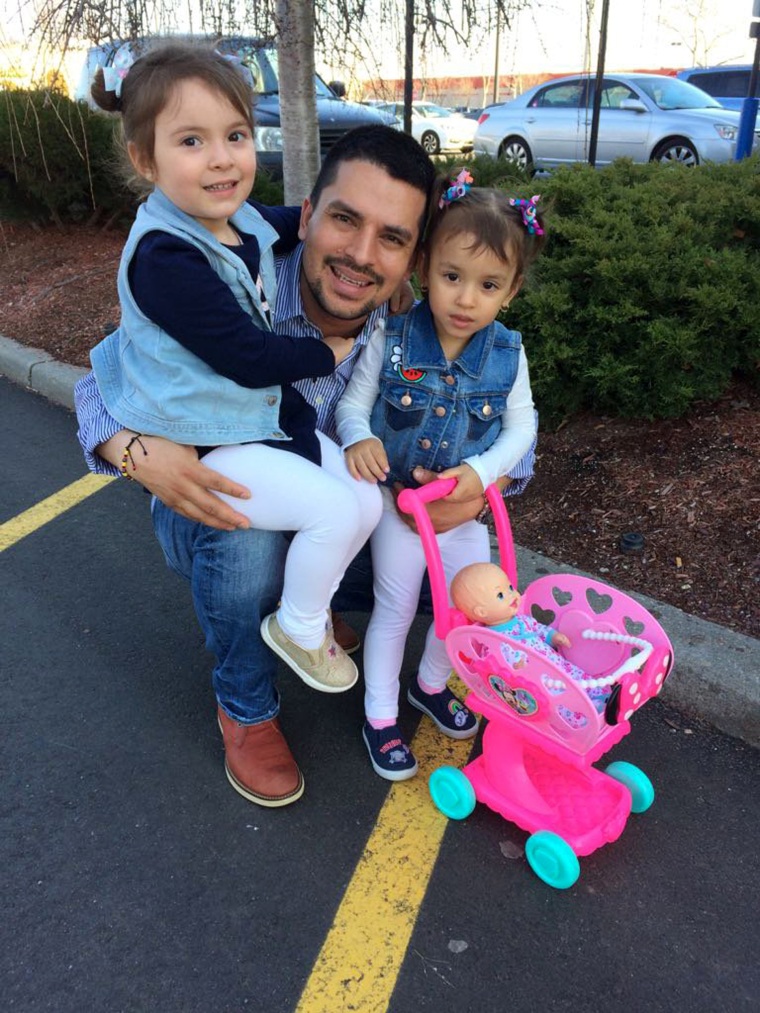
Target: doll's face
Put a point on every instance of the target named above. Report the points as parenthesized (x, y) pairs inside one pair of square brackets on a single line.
[(499, 603), (484, 594)]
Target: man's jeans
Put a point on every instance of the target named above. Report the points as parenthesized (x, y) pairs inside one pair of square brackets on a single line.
[(236, 580)]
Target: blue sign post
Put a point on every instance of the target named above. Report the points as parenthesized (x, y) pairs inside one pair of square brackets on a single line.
[(748, 116)]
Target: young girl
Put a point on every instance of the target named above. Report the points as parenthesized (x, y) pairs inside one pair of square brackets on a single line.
[(194, 359), (445, 388)]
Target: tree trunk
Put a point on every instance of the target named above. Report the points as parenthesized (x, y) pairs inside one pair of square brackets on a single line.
[(298, 102)]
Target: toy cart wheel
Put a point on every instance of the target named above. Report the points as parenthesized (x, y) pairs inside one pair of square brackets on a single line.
[(452, 792), (636, 781), (552, 859)]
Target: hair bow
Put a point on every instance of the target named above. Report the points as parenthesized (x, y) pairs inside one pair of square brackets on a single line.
[(459, 187), (114, 74), (528, 209)]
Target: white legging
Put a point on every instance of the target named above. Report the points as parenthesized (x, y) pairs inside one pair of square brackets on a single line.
[(398, 565), (331, 513)]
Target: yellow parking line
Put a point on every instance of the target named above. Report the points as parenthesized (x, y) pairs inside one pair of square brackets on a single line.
[(48, 509), (363, 952)]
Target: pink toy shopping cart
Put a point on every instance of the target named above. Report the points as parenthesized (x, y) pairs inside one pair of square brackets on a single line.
[(544, 733)]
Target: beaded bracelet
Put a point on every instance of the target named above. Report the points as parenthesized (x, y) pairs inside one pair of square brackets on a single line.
[(127, 456), (485, 513)]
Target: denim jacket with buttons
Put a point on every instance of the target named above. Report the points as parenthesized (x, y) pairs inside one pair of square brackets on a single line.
[(151, 383), (433, 413)]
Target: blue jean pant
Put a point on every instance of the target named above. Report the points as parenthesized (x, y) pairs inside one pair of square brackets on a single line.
[(236, 580)]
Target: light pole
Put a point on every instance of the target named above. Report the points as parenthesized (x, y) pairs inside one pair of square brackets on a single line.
[(496, 63), (748, 117)]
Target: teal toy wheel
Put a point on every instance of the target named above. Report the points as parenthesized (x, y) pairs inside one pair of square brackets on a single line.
[(636, 781), (552, 859), (452, 792)]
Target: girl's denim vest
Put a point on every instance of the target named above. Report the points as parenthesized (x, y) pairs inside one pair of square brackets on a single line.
[(150, 383), (433, 413)]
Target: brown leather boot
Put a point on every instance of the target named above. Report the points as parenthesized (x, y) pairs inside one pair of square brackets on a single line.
[(345, 635), (259, 763)]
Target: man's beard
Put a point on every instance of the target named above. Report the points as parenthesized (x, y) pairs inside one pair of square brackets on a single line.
[(317, 290)]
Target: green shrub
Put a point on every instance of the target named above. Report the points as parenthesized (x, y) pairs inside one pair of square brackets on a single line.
[(58, 155), (647, 295)]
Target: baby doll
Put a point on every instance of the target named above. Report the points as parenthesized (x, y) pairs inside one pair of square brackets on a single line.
[(483, 593)]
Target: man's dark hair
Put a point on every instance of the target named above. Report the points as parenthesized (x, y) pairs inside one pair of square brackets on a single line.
[(389, 149)]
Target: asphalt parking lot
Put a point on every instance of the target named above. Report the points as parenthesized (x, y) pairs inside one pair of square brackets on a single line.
[(135, 879)]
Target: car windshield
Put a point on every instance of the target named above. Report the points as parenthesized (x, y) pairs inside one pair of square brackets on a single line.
[(263, 65), (670, 93)]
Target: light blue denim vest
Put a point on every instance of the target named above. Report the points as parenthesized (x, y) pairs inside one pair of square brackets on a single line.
[(433, 413), (150, 383)]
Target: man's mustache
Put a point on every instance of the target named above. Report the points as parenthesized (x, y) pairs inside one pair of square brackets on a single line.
[(367, 272)]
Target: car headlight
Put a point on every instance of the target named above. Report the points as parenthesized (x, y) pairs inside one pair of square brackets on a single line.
[(268, 138), (726, 132)]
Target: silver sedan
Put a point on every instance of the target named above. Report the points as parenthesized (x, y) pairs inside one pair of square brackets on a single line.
[(644, 117)]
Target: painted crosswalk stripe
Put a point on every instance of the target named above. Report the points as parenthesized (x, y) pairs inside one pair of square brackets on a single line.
[(360, 960), (48, 509)]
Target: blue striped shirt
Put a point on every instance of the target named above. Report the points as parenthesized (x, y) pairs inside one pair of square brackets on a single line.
[(96, 425)]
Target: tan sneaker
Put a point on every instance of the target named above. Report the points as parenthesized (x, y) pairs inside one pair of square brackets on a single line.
[(327, 668)]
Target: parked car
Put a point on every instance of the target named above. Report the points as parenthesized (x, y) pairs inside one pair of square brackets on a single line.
[(728, 85), (468, 113), (644, 117), (334, 114), (435, 127)]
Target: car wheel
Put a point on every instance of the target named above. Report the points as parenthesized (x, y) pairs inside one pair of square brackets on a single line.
[(430, 142), (516, 150), (676, 150)]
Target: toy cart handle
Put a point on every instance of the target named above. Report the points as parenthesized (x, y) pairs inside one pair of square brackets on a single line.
[(412, 501)]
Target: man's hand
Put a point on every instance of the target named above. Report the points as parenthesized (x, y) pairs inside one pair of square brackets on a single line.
[(367, 459), (443, 513), (447, 513), (469, 485), (173, 473)]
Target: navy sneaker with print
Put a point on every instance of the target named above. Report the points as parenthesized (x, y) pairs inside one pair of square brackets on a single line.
[(446, 710), (388, 753)]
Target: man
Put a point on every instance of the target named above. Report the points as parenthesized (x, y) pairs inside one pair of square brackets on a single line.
[(360, 232)]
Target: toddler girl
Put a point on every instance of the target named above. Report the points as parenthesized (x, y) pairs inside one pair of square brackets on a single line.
[(446, 387), (194, 359)]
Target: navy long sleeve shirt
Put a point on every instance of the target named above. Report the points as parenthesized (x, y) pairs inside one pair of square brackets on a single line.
[(175, 287)]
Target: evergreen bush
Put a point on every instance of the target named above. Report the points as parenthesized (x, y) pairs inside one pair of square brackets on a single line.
[(58, 155), (647, 295)]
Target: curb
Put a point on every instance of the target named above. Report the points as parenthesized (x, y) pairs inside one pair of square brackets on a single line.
[(716, 676), (39, 371)]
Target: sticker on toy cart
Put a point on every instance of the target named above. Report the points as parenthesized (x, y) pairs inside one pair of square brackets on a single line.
[(518, 698)]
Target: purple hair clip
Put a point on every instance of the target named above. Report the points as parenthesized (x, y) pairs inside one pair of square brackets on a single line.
[(527, 206), (459, 187)]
